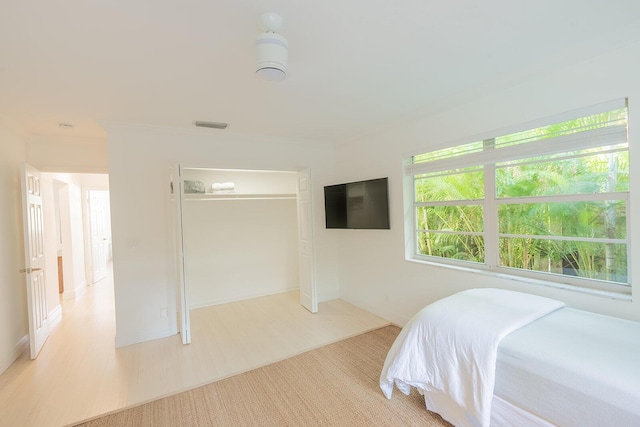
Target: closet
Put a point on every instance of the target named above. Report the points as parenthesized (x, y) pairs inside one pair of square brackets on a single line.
[(241, 240), (244, 235)]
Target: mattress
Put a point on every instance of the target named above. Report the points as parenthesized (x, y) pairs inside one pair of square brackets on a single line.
[(573, 368), (448, 350)]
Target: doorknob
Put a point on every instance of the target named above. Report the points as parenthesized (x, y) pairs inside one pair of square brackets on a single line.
[(29, 270)]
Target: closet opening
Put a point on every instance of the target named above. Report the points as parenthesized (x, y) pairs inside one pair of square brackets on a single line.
[(245, 234)]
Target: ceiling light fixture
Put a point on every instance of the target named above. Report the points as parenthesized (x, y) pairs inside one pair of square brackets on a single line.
[(272, 49), (65, 125)]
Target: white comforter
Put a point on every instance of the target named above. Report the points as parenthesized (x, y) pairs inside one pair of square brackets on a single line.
[(448, 350)]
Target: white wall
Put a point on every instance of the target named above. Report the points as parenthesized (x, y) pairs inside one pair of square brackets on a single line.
[(238, 249), (55, 153), (14, 327), (373, 271), (138, 158)]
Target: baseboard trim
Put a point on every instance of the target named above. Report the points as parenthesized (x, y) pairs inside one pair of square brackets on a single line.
[(239, 298), (55, 314), (75, 292), (21, 346), (145, 335), (79, 290), (7, 359), (393, 318)]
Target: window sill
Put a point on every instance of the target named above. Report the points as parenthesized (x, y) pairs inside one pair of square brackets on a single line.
[(589, 291)]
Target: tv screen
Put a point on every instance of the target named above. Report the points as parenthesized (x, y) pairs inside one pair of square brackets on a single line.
[(358, 205)]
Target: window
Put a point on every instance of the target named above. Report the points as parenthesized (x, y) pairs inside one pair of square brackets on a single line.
[(547, 203)]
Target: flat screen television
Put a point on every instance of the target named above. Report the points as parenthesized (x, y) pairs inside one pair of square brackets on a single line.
[(358, 205)]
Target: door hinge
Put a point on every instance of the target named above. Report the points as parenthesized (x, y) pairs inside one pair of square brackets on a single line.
[(28, 270)]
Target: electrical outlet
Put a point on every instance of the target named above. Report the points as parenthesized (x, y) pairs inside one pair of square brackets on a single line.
[(164, 313)]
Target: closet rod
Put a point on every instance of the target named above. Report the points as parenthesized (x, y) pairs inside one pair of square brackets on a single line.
[(190, 197)]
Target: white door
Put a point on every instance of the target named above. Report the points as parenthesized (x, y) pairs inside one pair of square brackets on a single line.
[(176, 201), (100, 233), (34, 258), (308, 297)]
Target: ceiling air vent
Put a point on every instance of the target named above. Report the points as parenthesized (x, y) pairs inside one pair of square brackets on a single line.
[(212, 125)]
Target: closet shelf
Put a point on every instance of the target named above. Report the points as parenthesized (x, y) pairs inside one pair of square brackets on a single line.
[(236, 196)]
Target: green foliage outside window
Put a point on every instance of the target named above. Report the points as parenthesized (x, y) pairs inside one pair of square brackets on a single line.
[(547, 217)]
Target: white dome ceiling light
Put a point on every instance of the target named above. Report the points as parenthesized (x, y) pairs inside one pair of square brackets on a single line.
[(272, 49)]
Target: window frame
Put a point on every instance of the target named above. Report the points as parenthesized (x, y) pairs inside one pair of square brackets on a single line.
[(491, 203)]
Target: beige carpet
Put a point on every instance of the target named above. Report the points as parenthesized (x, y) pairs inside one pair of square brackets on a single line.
[(334, 385)]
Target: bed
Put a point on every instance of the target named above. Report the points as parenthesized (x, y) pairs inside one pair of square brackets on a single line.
[(492, 357)]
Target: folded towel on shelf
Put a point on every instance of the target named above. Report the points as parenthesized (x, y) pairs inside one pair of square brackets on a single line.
[(223, 186), (193, 187)]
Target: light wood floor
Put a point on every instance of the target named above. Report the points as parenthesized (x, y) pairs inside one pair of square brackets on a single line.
[(79, 374)]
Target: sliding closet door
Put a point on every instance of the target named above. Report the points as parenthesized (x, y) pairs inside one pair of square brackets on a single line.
[(308, 297), (176, 199)]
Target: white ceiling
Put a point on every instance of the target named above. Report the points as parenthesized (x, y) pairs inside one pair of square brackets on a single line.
[(354, 65)]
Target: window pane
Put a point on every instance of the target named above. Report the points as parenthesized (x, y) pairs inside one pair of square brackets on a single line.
[(459, 150), (611, 118), (598, 173), (447, 187), (455, 246), (603, 261), (601, 219), (560, 190), (450, 218)]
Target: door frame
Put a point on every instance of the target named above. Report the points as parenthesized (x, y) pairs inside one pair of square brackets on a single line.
[(306, 243), (52, 184), (175, 199), (89, 253)]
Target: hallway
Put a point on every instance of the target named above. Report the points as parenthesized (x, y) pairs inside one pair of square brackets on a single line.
[(77, 364)]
